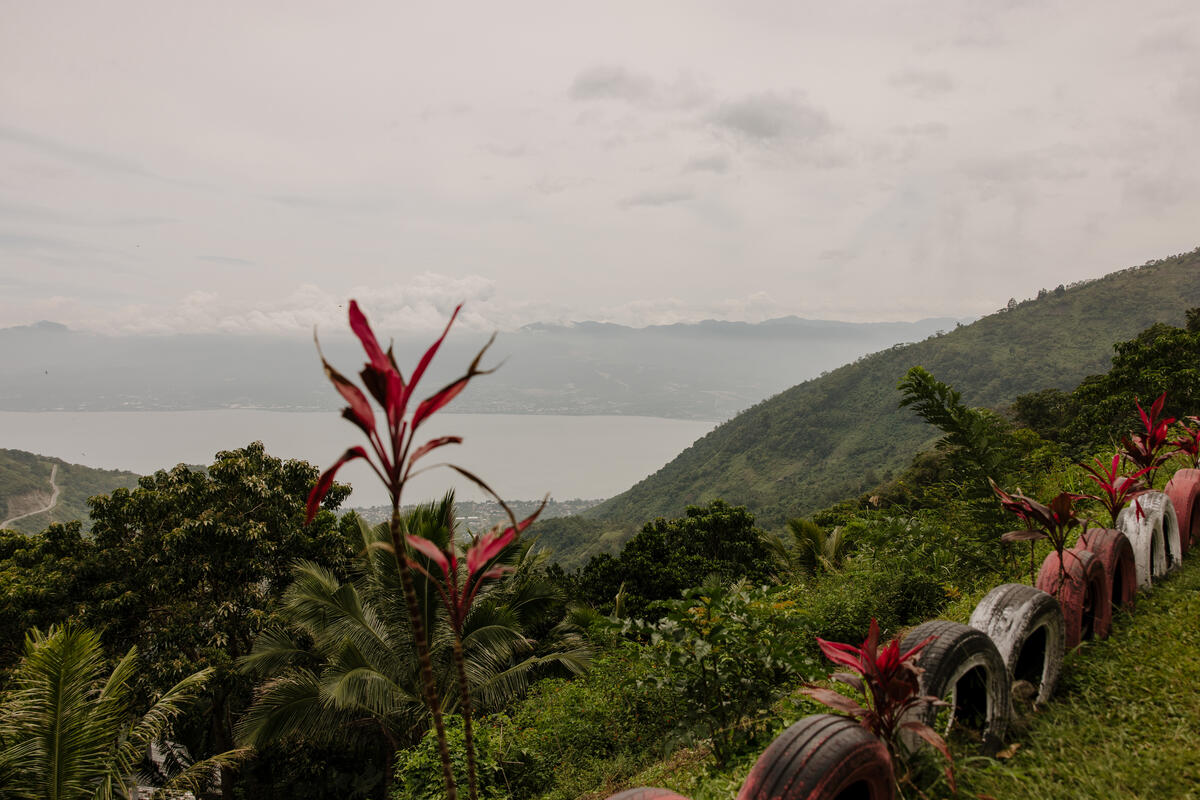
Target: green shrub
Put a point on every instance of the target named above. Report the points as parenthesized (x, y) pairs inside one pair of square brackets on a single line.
[(569, 735), (419, 770), (721, 649)]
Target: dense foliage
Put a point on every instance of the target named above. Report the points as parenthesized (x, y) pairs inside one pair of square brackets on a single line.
[(671, 556)]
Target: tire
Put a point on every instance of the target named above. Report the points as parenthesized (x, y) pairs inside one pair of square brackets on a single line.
[(646, 793), (1028, 629), (1116, 556), (1154, 536), (962, 666), (1085, 594), (822, 757), (1184, 491)]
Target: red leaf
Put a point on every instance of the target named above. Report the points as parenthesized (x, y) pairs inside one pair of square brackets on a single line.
[(431, 352), (853, 681), (359, 410), (440, 398), (488, 547), (846, 655), (326, 481), (930, 735), (1022, 536), (915, 649), (430, 550), (432, 444), (362, 329), (834, 700)]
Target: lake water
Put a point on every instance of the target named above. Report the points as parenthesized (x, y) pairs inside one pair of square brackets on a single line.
[(521, 456)]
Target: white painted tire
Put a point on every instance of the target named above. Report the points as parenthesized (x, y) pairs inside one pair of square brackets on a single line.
[(1028, 629), (1155, 536)]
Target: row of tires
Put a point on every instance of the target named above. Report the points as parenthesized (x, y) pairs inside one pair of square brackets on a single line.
[(1014, 643)]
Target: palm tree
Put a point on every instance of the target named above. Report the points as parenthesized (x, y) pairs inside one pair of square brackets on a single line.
[(346, 665), (811, 549), (68, 732)]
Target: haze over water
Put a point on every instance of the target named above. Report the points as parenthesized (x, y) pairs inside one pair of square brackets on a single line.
[(521, 456)]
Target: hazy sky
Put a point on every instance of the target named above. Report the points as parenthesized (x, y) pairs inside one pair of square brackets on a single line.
[(247, 166)]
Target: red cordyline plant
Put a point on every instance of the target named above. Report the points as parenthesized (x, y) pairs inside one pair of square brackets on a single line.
[(393, 454), (1188, 442), (1116, 489), (1053, 522), (457, 591), (890, 682), (1146, 449)]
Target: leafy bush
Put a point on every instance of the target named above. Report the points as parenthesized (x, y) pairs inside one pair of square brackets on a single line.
[(419, 770), (722, 650), (568, 736), (670, 556)]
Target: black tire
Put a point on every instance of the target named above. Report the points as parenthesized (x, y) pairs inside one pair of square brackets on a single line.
[(1028, 629), (647, 793), (963, 667), (822, 757)]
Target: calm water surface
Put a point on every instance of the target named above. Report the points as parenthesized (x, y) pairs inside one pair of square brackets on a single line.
[(522, 456)]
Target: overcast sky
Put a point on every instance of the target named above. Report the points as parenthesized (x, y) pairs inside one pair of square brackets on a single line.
[(247, 166)]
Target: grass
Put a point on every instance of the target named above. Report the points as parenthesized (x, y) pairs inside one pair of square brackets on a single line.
[(1126, 719)]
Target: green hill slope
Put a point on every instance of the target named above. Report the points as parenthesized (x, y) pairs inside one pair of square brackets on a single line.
[(25, 486), (842, 433)]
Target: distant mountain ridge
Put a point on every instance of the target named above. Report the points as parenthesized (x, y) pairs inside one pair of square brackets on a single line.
[(831, 437), (707, 370)]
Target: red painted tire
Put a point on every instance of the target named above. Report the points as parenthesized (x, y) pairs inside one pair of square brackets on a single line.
[(1085, 594), (1153, 530), (822, 757), (1116, 556), (647, 793), (1184, 491)]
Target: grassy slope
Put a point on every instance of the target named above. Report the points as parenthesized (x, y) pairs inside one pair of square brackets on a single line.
[(842, 433), (24, 473), (1126, 720)]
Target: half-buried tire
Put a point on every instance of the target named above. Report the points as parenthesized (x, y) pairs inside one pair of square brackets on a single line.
[(1116, 556), (647, 793), (963, 667), (1153, 530), (822, 757), (1184, 491), (1027, 627)]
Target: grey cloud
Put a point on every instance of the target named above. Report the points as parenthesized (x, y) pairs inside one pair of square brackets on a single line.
[(718, 163), (322, 203), (637, 89), (506, 151), (40, 214), (1187, 95), (240, 262), (932, 130), (766, 117), (608, 82), (923, 83), (657, 198), (1166, 42)]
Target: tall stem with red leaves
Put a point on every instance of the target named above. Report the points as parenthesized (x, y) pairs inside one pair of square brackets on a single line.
[(428, 687)]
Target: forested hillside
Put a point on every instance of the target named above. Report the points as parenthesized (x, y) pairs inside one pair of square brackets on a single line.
[(842, 433), (25, 486)]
